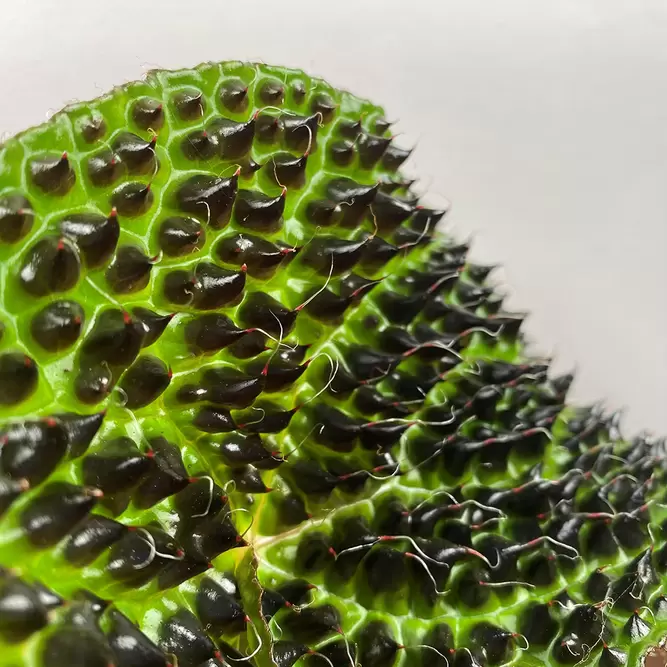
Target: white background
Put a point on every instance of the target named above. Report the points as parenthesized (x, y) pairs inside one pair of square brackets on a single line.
[(543, 121)]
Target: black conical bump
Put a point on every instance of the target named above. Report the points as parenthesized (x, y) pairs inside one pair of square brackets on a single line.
[(53, 174), (18, 378), (16, 218), (51, 265), (57, 326), (208, 197), (55, 512), (91, 537), (132, 199)]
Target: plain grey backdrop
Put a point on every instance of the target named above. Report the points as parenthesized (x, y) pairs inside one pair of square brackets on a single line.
[(544, 122)]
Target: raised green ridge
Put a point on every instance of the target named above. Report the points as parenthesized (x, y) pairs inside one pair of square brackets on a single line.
[(252, 402)]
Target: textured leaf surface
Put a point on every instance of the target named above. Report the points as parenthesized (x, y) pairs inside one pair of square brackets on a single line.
[(255, 410)]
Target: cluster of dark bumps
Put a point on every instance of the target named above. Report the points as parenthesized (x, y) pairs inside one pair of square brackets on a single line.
[(256, 411)]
